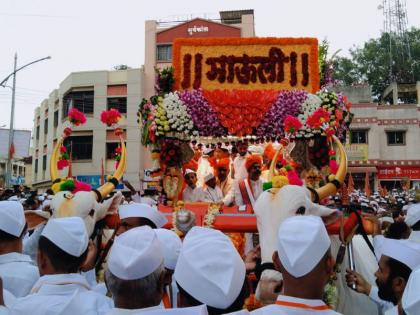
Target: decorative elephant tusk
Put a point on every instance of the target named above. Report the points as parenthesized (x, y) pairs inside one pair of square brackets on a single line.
[(330, 188), (105, 189), (274, 163)]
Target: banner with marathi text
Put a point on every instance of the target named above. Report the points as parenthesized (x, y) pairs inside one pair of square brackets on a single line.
[(246, 64)]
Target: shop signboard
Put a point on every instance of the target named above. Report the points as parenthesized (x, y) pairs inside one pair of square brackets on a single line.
[(357, 152)]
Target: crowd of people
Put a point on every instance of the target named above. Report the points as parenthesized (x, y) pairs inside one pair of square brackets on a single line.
[(152, 270)]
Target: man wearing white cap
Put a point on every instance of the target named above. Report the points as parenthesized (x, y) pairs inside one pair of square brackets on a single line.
[(192, 192), (212, 192), (62, 250), (304, 259), (18, 271), (413, 221), (135, 271), (398, 258), (171, 245), (139, 214), (210, 271)]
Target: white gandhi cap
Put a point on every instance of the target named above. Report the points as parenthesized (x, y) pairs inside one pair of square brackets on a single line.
[(413, 215), (12, 217), (302, 242), (135, 254), (69, 234), (405, 251), (209, 268), (171, 245), (142, 210), (411, 297)]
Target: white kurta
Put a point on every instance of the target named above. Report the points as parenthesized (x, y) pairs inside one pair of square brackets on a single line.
[(414, 236), (213, 194), (257, 189), (18, 272), (195, 310), (297, 307), (193, 195), (64, 294), (239, 168)]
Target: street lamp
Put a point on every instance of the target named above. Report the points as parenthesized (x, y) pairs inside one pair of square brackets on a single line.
[(12, 113)]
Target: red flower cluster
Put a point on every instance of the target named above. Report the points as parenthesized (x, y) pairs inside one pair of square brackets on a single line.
[(67, 131), (318, 118), (63, 149), (292, 124), (76, 117), (110, 117), (62, 164), (240, 110)]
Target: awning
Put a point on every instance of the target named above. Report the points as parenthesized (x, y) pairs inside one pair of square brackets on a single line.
[(362, 169)]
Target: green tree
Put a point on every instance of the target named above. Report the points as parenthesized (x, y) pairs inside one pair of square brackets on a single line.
[(371, 62)]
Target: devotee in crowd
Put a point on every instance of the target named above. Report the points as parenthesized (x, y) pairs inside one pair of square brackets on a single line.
[(192, 192), (171, 245), (204, 166), (413, 220), (135, 274), (139, 214), (247, 191), (268, 156), (397, 259), (212, 192), (306, 264), (18, 271), (398, 230), (210, 271), (224, 181), (61, 289), (239, 168)]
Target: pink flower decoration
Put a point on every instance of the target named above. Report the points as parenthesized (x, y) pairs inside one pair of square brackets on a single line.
[(76, 117), (110, 117)]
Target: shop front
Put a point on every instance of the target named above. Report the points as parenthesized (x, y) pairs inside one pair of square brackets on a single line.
[(399, 177)]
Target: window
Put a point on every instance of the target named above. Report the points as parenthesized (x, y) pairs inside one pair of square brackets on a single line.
[(56, 119), (110, 149), (396, 137), (44, 162), (80, 147), (119, 103), (36, 166), (164, 52), (45, 126), (82, 100), (359, 136), (37, 132)]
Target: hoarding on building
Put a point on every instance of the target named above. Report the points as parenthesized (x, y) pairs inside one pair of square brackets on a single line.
[(357, 152)]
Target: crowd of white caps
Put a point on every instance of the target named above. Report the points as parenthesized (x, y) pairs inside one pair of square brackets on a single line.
[(204, 270)]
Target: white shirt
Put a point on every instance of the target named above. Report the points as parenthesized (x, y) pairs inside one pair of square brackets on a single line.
[(116, 310), (147, 200), (193, 195), (414, 236), (194, 310), (64, 294), (257, 189), (239, 168), (213, 194), (18, 272), (302, 307)]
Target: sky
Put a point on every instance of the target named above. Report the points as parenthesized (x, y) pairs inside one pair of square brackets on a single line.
[(83, 35)]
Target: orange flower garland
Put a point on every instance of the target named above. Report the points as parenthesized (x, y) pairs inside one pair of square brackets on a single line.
[(200, 50)]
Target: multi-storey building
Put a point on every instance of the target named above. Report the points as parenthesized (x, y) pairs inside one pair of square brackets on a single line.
[(383, 141), (91, 92)]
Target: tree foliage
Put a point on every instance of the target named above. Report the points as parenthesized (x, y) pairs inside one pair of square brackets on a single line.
[(381, 61)]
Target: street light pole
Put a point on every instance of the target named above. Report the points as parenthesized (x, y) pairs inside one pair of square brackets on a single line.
[(11, 130), (12, 114)]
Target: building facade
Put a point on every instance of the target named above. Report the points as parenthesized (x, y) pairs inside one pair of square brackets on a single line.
[(383, 141), (91, 92)]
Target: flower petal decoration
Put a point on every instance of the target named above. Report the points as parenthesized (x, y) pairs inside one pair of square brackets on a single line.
[(76, 117), (287, 103), (240, 111), (110, 117)]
